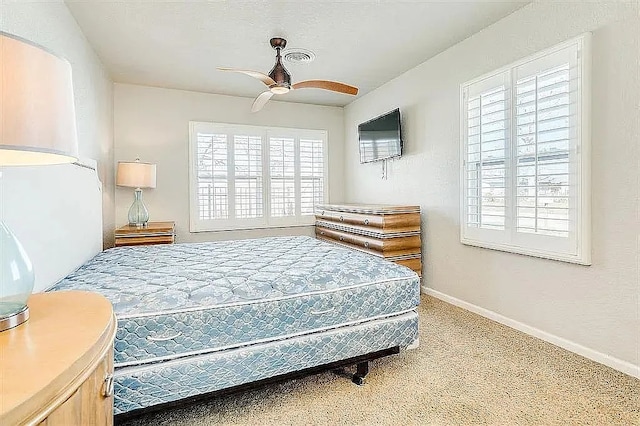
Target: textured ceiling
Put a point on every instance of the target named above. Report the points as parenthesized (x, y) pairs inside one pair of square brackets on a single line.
[(363, 43)]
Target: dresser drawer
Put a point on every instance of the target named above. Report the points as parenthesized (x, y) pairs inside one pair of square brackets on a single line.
[(387, 248), (352, 239), (143, 241), (153, 233), (351, 218)]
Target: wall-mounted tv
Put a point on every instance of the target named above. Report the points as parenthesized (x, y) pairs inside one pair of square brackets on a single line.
[(380, 138)]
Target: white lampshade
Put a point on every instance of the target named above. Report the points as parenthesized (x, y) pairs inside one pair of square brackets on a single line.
[(37, 126), (38, 121), (136, 174)]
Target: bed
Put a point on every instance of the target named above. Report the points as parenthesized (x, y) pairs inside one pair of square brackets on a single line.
[(201, 318)]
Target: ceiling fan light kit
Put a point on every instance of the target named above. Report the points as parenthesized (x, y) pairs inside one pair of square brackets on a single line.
[(279, 79), (279, 90)]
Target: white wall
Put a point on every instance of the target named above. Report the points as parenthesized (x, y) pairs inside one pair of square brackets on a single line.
[(50, 24), (592, 310), (153, 124)]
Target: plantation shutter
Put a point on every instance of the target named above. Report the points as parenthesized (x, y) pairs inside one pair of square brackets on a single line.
[(282, 176), (525, 157), (248, 176), (486, 110), (311, 174), (212, 178), (547, 119)]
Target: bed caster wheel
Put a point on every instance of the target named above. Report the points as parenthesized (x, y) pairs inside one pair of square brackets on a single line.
[(358, 380), (362, 369)]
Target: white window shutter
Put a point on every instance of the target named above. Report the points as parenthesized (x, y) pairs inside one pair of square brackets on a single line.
[(545, 134), (486, 157), (282, 176), (525, 155), (311, 174), (248, 176), (212, 179)]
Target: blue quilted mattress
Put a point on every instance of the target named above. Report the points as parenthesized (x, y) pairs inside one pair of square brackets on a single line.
[(184, 300)]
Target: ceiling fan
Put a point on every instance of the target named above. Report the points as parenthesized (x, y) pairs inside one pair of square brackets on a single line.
[(279, 80)]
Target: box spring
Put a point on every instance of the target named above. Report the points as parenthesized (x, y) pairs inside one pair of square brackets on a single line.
[(145, 386)]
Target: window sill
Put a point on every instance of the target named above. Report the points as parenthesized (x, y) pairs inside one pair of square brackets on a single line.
[(560, 257), (228, 228)]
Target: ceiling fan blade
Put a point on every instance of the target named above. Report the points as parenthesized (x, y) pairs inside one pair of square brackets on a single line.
[(334, 86), (255, 74), (261, 100)]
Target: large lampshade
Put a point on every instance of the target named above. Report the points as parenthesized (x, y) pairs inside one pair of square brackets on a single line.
[(37, 126), (136, 174), (37, 121)]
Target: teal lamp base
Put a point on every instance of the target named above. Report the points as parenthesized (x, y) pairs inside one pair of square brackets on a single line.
[(138, 213), (16, 280)]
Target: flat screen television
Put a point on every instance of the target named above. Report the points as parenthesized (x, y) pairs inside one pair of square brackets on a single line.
[(380, 138)]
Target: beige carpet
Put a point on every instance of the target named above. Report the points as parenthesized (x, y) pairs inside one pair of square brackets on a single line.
[(468, 370)]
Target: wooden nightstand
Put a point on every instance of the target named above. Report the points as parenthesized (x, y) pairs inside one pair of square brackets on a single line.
[(57, 368), (153, 233)]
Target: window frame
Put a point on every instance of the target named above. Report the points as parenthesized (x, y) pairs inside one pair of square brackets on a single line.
[(509, 240), (266, 221)]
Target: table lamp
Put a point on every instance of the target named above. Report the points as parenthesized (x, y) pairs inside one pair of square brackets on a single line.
[(137, 175), (37, 127)]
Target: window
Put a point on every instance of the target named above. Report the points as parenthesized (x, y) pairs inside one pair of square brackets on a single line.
[(246, 177), (525, 156)]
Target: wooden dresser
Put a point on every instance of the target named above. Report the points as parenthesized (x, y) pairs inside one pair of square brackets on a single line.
[(391, 232), (56, 368)]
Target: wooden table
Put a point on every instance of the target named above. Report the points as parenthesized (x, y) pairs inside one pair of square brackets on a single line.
[(56, 368), (152, 233)]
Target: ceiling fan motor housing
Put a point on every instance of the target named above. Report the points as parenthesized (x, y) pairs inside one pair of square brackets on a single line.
[(279, 73)]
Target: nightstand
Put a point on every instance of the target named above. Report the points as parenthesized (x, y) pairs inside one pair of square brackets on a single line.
[(57, 368), (153, 233)]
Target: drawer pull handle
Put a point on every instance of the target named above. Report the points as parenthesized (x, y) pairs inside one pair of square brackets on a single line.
[(321, 232), (107, 386), (341, 219), (366, 221), (341, 238), (366, 244), (163, 338), (326, 311)]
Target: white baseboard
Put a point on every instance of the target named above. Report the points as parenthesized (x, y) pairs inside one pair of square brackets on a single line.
[(609, 361)]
